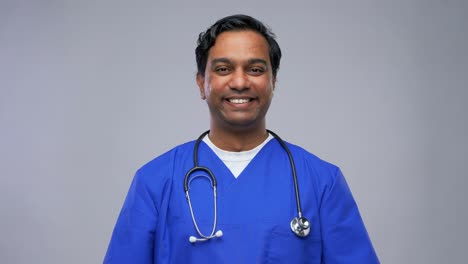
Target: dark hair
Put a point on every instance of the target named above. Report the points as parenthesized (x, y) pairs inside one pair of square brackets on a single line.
[(207, 39)]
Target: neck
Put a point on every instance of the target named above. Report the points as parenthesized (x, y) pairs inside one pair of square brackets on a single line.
[(236, 141)]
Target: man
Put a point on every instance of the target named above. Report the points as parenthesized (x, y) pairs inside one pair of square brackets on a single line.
[(242, 213)]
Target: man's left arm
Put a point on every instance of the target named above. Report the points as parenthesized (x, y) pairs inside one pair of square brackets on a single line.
[(344, 236)]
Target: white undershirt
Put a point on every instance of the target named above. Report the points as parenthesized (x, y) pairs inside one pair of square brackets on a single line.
[(236, 161)]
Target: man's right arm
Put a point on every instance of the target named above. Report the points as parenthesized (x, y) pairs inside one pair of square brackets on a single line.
[(133, 236)]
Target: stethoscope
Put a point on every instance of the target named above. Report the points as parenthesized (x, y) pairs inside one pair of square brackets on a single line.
[(299, 225)]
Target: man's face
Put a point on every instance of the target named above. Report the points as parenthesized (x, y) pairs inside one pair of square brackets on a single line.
[(238, 83)]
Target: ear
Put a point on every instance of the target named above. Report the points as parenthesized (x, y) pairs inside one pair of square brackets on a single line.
[(201, 85)]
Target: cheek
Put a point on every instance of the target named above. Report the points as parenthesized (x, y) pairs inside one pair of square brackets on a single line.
[(213, 85), (266, 86)]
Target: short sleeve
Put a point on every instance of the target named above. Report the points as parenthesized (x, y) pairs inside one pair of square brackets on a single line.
[(344, 235), (133, 236)]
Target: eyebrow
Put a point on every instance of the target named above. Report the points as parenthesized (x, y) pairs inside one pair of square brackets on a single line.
[(220, 60), (256, 60), (228, 61)]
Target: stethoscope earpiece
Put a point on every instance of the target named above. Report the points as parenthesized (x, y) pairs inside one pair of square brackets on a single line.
[(193, 239)]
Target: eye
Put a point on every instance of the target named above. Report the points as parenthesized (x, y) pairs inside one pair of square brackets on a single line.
[(256, 71), (222, 70)]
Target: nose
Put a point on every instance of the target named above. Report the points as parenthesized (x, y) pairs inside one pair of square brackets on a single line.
[(239, 81)]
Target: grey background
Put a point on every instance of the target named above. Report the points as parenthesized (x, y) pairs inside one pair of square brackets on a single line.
[(91, 90)]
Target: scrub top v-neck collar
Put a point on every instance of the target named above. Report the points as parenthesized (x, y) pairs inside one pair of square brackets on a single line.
[(236, 162), (224, 176)]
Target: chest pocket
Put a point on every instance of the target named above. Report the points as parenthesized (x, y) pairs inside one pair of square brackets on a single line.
[(283, 246)]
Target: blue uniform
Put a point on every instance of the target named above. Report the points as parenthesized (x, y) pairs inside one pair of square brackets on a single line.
[(254, 212)]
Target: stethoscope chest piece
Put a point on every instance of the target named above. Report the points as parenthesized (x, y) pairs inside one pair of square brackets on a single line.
[(300, 226)]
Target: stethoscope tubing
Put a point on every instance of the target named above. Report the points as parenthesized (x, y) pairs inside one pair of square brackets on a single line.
[(293, 170), (195, 165), (193, 215)]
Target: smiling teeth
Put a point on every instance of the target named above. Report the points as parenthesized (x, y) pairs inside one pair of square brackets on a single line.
[(239, 101)]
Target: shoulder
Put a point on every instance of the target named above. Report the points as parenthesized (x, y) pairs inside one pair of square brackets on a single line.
[(321, 172), (163, 165), (310, 158), (154, 180)]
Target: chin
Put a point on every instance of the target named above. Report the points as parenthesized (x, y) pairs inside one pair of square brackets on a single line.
[(238, 121), (243, 124)]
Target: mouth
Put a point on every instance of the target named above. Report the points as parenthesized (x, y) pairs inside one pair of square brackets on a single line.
[(239, 100)]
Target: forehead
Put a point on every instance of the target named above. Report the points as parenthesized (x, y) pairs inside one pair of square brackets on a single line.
[(240, 45)]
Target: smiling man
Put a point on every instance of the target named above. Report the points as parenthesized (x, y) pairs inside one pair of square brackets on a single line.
[(237, 84), (239, 194)]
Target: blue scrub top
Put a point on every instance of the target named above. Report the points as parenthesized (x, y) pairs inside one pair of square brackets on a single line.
[(254, 212)]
